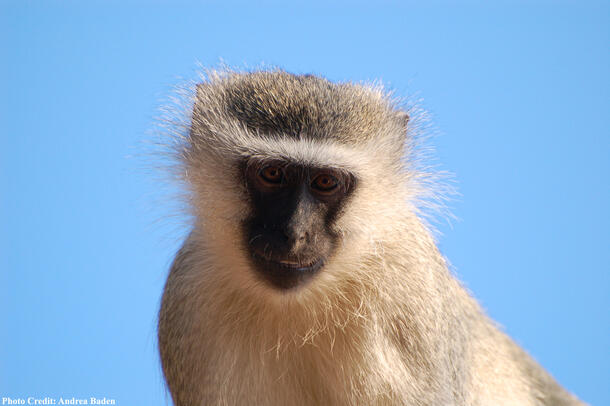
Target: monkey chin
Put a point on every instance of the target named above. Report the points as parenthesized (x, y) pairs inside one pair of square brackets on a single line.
[(286, 275)]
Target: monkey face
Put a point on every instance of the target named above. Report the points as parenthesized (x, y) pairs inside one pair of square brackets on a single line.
[(289, 234)]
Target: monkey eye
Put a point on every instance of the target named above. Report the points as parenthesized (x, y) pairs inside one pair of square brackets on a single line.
[(271, 175), (325, 183)]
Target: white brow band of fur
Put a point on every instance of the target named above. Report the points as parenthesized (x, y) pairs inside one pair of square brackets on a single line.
[(304, 151)]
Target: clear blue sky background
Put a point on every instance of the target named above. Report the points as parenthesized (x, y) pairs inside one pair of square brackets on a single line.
[(519, 93)]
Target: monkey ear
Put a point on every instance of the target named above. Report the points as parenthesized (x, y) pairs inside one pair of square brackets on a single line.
[(404, 117), (400, 136)]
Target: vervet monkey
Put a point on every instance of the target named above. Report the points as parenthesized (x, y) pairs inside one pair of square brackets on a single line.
[(309, 277)]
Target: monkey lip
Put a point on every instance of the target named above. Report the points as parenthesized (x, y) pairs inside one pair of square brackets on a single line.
[(286, 274), (291, 265)]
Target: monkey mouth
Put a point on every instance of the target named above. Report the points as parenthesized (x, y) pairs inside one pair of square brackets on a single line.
[(286, 273), (290, 264)]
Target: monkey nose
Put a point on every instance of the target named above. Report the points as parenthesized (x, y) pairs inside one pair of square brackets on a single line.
[(297, 239)]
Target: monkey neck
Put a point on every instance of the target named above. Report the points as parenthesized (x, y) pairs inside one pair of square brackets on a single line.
[(394, 309)]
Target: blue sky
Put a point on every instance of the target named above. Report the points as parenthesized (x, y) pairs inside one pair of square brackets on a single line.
[(518, 92)]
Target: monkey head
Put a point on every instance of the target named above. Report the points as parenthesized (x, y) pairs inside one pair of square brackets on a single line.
[(287, 170)]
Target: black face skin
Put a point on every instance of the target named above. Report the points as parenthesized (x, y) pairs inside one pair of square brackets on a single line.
[(289, 235)]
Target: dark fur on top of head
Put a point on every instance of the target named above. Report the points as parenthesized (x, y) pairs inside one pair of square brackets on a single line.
[(280, 104), (306, 105)]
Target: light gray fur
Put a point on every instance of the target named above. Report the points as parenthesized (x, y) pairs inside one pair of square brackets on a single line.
[(384, 323)]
